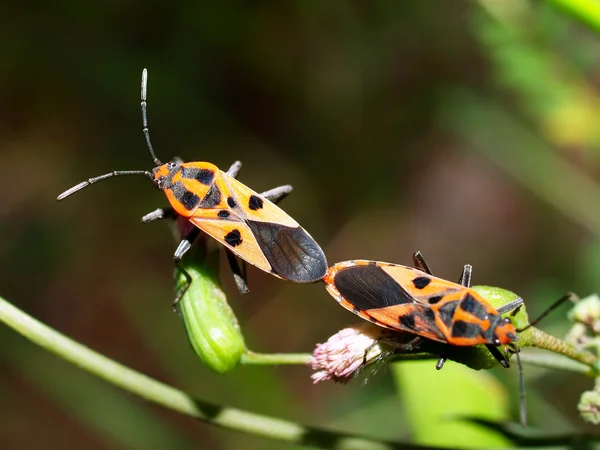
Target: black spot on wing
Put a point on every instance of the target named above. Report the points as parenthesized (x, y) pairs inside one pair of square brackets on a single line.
[(421, 282), (255, 203), (369, 287), (188, 199), (212, 198), (223, 214), (407, 321), (460, 328), (233, 238), (204, 176), (472, 306), (421, 321), (178, 189), (429, 314), (434, 299), (291, 252), (446, 312), (231, 202)]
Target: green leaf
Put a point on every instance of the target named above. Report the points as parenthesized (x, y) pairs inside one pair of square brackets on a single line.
[(438, 402)]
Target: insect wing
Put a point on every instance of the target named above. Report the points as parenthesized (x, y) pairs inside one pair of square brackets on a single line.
[(234, 234), (261, 233), (422, 287), (369, 291), (252, 206)]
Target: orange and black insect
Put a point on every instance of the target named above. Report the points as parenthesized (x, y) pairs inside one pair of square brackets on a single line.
[(248, 224), (411, 300), (406, 299)]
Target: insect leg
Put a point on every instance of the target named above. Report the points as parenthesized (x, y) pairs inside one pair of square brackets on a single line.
[(277, 194), (403, 346), (159, 214), (441, 361), (367, 350), (501, 357), (274, 194), (420, 263), (234, 169), (239, 274), (493, 350), (511, 306), (182, 248), (465, 276)]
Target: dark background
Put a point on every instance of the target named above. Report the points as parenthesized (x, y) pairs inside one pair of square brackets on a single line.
[(466, 131)]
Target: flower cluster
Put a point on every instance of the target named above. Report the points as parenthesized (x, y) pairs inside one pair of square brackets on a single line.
[(347, 352)]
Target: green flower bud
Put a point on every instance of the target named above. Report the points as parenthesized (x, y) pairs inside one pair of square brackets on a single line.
[(587, 311), (589, 407), (212, 328), (577, 335)]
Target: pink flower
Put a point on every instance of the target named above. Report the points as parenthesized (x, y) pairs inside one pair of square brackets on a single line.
[(346, 352)]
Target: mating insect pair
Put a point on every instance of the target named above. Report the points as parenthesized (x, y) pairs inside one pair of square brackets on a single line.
[(248, 224), (253, 228)]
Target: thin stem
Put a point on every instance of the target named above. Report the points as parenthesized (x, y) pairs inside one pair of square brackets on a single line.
[(534, 337), (554, 361), (252, 358), (176, 400)]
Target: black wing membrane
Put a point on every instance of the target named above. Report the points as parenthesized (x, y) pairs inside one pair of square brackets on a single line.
[(292, 252), (370, 287)]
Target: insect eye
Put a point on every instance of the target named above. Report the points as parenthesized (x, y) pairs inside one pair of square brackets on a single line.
[(171, 165)]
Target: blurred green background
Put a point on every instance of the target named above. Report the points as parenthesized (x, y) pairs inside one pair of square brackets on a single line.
[(467, 130)]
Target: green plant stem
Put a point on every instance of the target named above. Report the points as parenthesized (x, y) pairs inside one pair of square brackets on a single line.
[(554, 361), (222, 416), (586, 11), (534, 337), (252, 358), (176, 400)]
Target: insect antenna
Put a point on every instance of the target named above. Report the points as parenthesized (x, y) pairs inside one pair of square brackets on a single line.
[(522, 404), (145, 118), (124, 172), (115, 173), (569, 296)]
